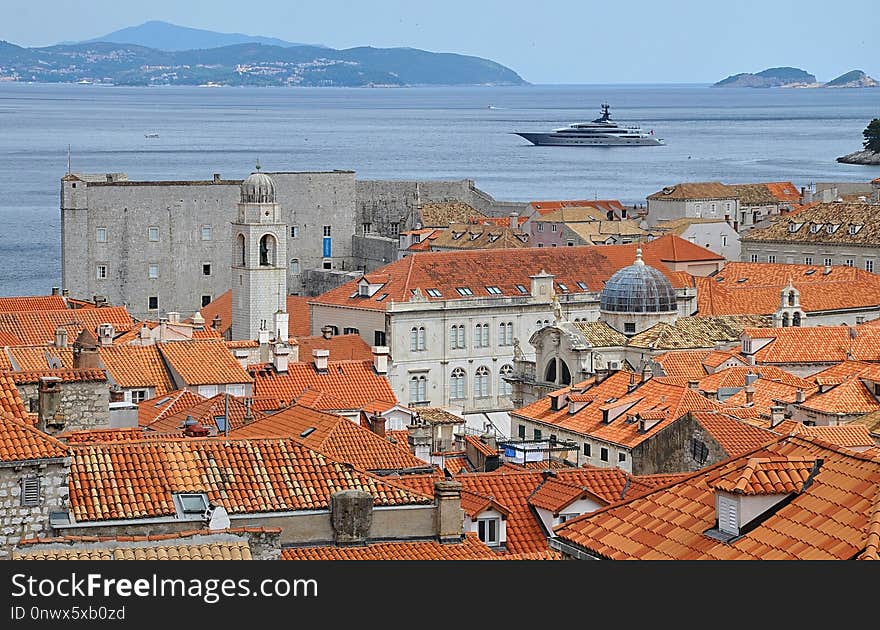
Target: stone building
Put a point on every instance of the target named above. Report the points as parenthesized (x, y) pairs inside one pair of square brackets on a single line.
[(716, 235), (119, 237), (701, 200)]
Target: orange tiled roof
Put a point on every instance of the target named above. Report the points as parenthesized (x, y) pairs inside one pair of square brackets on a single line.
[(670, 401), (204, 411), (832, 518), (695, 190), (341, 347), (21, 442), (131, 434), (506, 268), (24, 358), (225, 550), (767, 475), (36, 328), (838, 373), (137, 479), (136, 366), (297, 308), (10, 399), (8, 339), (333, 435), (849, 397), (755, 288), (733, 435), (847, 435), (734, 377), (555, 494), (480, 446), (784, 191), (817, 344), (32, 303), (455, 463), (470, 548), (347, 385), (690, 363), (78, 375), (203, 362), (161, 405), (767, 393)]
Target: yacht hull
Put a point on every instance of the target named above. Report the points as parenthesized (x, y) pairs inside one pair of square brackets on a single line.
[(550, 139)]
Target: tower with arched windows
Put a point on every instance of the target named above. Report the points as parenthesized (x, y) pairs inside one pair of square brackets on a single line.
[(259, 273), (789, 312)]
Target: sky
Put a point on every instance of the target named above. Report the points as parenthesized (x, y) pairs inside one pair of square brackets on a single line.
[(545, 41)]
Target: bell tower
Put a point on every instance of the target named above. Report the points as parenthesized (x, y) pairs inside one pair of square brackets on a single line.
[(789, 312), (259, 255)]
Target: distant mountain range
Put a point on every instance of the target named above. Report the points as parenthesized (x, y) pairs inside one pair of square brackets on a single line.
[(132, 62), (795, 77)]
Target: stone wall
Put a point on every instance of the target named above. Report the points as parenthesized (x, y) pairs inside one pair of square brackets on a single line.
[(318, 281), (86, 404), (17, 522), (669, 450), (371, 252)]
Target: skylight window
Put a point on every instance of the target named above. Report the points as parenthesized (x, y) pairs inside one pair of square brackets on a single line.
[(743, 280), (562, 287), (809, 272), (191, 505), (794, 227), (493, 290), (464, 291), (522, 289), (815, 227), (583, 285), (307, 432), (434, 293), (854, 228), (381, 297)]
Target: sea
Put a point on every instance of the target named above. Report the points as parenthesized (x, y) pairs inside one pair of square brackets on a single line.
[(731, 135)]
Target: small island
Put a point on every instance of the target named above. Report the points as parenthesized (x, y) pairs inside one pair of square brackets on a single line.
[(870, 155), (787, 77)]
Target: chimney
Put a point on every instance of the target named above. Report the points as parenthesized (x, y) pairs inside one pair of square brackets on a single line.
[(647, 373), (61, 337), (514, 220), (693, 384), (56, 291), (85, 351), (263, 336), (633, 384), (282, 326), (65, 292), (242, 356), (326, 332), (449, 515), (351, 515), (800, 396), (751, 377), (750, 394), (116, 394), (215, 323), (777, 415), (105, 335), (217, 179), (49, 415), (542, 285), (320, 357), (146, 338), (192, 428), (489, 440), (280, 357), (377, 424), (99, 300), (173, 317), (198, 321), (163, 329), (419, 439), (380, 359)]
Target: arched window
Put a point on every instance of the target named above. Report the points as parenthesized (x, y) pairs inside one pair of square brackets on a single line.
[(457, 384), (481, 382), (505, 334), (796, 321), (294, 265), (240, 251), (456, 337), (564, 374), (417, 338), (785, 320), (550, 371), (791, 298), (418, 388), (481, 336), (267, 250), (504, 387)]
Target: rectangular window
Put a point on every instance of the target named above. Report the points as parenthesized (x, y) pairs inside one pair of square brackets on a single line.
[(849, 262), (537, 434), (629, 327), (153, 271), (828, 262), (101, 235), (869, 266), (327, 264), (699, 450), (603, 454), (153, 234), (351, 331), (138, 395), (540, 227), (808, 260), (326, 230), (30, 492), (522, 289), (378, 337), (294, 231), (521, 431), (101, 272), (153, 302), (207, 232), (621, 457), (206, 269), (570, 243), (540, 244), (493, 290), (395, 229), (587, 450), (368, 227), (723, 241), (552, 227), (294, 265), (434, 293), (753, 258), (206, 299), (464, 291), (487, 530), (771, 258)]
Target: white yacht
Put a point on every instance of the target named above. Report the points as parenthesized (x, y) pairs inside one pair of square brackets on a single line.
[(601, 132)]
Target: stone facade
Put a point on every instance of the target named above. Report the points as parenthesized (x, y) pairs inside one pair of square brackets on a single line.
[(85, 404), (17, 521)]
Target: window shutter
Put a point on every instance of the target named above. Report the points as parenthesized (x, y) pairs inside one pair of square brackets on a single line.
[(30, 491)]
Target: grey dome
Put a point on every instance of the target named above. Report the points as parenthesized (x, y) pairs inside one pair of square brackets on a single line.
[(638, 288), (258, 188)]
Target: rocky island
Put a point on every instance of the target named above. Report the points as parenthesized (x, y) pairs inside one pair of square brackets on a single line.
[(796, 78), (870, 154), (853, 79)]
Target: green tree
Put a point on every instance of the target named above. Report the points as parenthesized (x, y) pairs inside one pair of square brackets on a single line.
[(872, 136)]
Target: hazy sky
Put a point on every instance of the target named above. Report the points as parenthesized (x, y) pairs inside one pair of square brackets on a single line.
[(545, 41)]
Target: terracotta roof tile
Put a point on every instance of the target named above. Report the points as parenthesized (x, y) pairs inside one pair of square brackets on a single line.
[(470, 548), (480, 446), (733, 435), (442, 213), (817, 344), (341, 347), (697, 332), (23, 358), (333, 435), (78, 375), (205, 413), (131, 434), (469, 236), (546, 209), (207, 551), (555, 494), (345, 385), (137, 479), (22, 442), (851, 435), (831, 518), (767, 475), (694, 364), (504, 269), (11, 403), (297, 308), (162, 405), (203, 362), (38, 327), (734, 377), (850, 397), (839, 216), (32, 303), (136, 366), (695, 190)]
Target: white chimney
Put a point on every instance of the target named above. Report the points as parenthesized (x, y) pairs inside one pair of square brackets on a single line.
[(61, 337), (163, 329), (777, 415), (280, 357), (514, 220), (145, 336), (321, 357), (105, 334), (282, 326), (173, 317), (380, 359), (264, 336), (242, 356)]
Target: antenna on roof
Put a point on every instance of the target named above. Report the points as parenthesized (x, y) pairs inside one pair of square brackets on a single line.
[(258, 164), (68, 159)]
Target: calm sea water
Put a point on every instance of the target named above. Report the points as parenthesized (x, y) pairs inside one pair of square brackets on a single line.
[(729, 135)]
